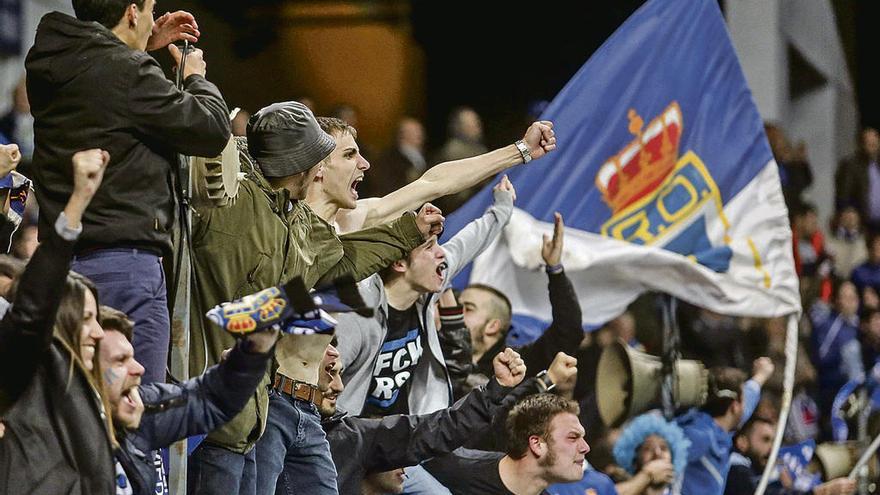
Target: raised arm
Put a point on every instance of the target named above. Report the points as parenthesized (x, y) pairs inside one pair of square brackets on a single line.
[(194, 121), (478, 235), (443, 431), (449, 178), (565, 332), (26, 328), (209, 401)]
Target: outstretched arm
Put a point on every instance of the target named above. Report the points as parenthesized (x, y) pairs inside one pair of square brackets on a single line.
[(443, 431), (204, 403), (478, 235), (448, 178), (367, 251)]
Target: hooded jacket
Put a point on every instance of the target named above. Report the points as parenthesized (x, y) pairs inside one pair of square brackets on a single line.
[(56, 441), (360, 339), (87, 89), (264, 239)]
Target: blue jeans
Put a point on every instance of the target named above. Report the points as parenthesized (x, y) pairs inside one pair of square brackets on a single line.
[(132, 281), (420, 482), (293, 456), (214, 470)]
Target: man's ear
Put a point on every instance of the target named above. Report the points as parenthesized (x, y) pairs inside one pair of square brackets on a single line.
[(400, 266), (131, 15), (493, 328), (741, 443), (537, 446), (319, 177)]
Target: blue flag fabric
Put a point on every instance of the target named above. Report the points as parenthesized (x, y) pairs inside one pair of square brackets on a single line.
[(663, 175)]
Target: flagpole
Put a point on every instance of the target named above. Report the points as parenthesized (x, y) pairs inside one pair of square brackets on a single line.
[(671, 354), (791, 346)]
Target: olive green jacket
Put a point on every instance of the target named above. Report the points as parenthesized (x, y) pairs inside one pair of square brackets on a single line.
[(264, 239)]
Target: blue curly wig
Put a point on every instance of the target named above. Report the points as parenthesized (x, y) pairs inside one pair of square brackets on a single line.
[(641, 428)]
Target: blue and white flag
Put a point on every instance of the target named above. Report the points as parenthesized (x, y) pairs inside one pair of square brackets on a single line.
[(663, 175)]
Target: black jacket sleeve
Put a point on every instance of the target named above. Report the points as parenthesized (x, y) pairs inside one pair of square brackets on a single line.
[(202, 404), (26, 328), (455, 343), (193, 122), (7, 229), (406, 440), (564, 333)]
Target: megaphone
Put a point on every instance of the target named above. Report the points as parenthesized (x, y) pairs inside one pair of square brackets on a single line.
[(628, 383), (215, 180), (837, 459)]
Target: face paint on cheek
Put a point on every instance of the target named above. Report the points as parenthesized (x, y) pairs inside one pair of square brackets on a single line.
[(110, 377)]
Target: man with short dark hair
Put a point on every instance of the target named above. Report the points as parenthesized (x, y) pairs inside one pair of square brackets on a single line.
[(545, 445), (487, 315), (730, 403), (148, 417), (857, 179), (91, 84), (393, 361), (752, 446)]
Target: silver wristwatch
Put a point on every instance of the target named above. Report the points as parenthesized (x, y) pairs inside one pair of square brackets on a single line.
[(524, 151), (544, 381)]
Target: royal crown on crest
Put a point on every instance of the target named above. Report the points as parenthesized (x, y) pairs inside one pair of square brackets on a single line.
[(642, 165)]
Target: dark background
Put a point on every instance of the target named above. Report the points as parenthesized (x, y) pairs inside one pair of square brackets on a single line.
[(501, 57)]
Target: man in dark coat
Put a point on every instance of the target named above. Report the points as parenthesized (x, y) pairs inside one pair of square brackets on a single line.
[(91, 84)]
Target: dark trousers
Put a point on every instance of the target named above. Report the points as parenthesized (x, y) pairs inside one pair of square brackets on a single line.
[(132, 281), (216, 471), (293, 456)]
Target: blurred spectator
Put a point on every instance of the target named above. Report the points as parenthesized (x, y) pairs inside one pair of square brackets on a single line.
[(846, 244), (794, 169), (403, 162), (10, 269), (465, 136), (239, 123), (812, 263), (14, 189), (730, 402), (308, 101), (752, 446), (624, 328), (654, 452), (868, 273), (25, 242), (345, 112), (870, 338), (834, 330), (465, 140), (857, 180), (18, 124), (349, 114), (713, 338)]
